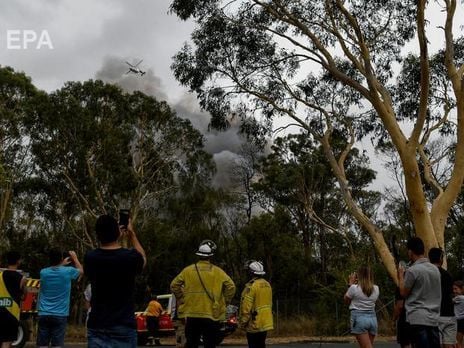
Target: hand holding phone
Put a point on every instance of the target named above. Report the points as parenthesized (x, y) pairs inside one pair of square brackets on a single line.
[(124, 217), (353, 278)]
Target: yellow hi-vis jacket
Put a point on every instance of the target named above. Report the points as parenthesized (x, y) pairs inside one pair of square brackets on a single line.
[(256, 306), (7, 301), (192, 299)]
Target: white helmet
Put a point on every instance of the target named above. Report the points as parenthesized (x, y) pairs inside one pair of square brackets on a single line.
[(206, 248), (256, 267)]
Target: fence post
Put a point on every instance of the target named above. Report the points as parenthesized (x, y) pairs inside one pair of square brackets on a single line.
[(277, 316)]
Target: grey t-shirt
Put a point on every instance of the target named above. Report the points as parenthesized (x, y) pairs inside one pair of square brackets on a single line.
[(423, 303), (459, 306)]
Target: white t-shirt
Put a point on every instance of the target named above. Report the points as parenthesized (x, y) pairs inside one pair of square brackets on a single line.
[(359, 300)]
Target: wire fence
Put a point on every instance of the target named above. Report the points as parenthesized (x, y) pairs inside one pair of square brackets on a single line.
[(324, 318)]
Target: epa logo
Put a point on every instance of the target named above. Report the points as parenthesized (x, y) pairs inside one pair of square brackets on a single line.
[(28, 39)]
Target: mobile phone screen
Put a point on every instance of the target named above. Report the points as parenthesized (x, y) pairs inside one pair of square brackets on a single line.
[(124, 217)]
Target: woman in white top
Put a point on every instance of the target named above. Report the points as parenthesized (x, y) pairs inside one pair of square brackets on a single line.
[(458, 299), (361, 296)]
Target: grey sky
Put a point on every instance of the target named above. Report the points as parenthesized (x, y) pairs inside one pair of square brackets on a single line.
[(93, 38), (85, 32)]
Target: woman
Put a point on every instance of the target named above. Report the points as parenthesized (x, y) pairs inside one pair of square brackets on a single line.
[(458, 290), (361, 296)]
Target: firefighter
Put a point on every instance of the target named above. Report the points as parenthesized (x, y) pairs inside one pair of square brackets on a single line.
[(255, 315), (202, 291)]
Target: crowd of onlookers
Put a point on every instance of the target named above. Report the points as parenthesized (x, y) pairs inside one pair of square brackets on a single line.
[(202, 291), (429, 307)]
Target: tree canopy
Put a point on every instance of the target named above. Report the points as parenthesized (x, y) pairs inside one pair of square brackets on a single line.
[(331, 67)]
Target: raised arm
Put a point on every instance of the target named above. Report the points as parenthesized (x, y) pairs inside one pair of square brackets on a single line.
[(135, 241)]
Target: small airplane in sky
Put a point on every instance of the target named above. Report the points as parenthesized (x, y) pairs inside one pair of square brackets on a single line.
[(134, 69)]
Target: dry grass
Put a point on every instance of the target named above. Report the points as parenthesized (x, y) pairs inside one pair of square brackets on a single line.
[(297, 328)]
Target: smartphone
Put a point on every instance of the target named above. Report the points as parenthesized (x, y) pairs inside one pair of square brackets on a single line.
[(124, 217), (403, 264)]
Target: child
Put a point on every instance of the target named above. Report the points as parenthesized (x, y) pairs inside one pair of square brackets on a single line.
[(458, 290)]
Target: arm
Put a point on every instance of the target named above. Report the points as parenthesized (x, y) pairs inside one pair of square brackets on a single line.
[(352, 280), (346, 299), (76, 263), (228, 289), (405, 289), (147, 310), (246, 304), (22, 284), (397, 308), (177, 287), (135, 242)]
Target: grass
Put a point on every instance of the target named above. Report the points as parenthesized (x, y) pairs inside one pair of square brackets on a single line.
[(293, 327)]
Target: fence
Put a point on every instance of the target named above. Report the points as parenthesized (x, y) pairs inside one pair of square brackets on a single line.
[(297, 316)]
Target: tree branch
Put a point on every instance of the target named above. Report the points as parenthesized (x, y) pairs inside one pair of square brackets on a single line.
[(424, 74)]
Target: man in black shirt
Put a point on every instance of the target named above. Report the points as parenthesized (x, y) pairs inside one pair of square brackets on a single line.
[(111, 271), (11, 287), (447, 324)]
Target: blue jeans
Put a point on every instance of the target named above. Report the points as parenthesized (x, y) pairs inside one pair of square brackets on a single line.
[(423, 336), (51, 330), (363, 322), (114, 337)]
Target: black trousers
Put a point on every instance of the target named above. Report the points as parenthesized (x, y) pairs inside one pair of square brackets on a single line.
[(152, 325), (423, 336), (256, 339), (201, 327)]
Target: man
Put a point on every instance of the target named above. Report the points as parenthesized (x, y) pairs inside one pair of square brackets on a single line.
[(152, 314), (256, 307), (447, 324), (54, 295), (420, 285), (202, 291), (11, 288), (403, 329), (111, 270)]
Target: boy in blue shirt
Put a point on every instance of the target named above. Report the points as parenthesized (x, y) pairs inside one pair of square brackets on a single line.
[(55, 290)]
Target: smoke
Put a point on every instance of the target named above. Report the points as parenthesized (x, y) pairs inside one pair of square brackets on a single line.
[(114, 70), (224, 146)]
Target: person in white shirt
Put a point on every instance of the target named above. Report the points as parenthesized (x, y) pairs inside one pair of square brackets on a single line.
[(361, 296), (458, 300)]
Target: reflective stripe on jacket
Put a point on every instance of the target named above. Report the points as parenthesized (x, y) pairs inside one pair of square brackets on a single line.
[(192, 298), (7, 301), (256, 306)]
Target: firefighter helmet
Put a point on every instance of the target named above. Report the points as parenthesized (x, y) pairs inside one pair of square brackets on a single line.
[(206, 248), (256, 267)]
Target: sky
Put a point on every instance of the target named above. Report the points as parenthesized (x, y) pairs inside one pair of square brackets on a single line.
[(90, 39), (94, 38), (86, 32)]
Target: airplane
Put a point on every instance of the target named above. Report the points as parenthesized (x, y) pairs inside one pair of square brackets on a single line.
[(134, 69)]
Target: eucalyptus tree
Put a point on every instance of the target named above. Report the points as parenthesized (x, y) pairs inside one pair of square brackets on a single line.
[(328, 66), (297, 178), (100, 149), (16, 99)]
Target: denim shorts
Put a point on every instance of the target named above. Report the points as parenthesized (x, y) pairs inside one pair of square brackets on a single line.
[(363, 322), (51, 331), (114, 337)]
